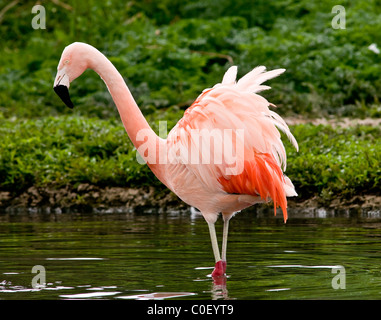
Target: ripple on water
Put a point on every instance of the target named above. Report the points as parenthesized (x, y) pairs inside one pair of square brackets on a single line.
[(302, 266), (75, 259), (89, 295), (158, 295)]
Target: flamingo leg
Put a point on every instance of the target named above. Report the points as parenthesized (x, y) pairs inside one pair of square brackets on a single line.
[(225, 238), (220, 267), (213, 238)]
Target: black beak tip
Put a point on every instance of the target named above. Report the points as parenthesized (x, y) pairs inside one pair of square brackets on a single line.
[(63, 92)]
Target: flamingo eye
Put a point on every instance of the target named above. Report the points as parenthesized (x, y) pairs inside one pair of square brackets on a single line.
[(66, 61)]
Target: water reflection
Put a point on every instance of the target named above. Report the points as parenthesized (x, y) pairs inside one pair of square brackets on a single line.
[(75, 259), (49, 215), (219, 288), (89, 295), (168, 256), (158, 295)]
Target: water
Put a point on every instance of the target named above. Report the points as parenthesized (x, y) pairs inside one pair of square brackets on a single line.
[(169, 256)]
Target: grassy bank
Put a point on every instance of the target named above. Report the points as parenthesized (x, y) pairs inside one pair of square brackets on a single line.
[(70, 151)]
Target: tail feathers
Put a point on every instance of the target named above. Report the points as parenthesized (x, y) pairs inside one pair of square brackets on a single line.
[(261, 177), (282, 126), (289, 187), (230, 75), (249, 79), (253, 80)]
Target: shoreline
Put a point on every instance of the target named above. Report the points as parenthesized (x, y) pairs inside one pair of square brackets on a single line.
[(87, 198)]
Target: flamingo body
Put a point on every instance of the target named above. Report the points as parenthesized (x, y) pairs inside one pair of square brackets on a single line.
[(232, 105), (225, 154)]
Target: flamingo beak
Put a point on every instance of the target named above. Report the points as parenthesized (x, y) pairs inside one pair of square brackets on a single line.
[(61, 87)]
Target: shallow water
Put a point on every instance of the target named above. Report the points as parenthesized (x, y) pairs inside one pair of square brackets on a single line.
[(169, 256)]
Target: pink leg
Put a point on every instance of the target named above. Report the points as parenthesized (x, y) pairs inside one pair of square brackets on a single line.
[(220, 267)]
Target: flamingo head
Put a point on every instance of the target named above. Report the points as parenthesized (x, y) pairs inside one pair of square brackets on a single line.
[(75, 59)]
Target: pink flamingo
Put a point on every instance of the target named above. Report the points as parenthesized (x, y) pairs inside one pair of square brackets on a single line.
[(251, 174)]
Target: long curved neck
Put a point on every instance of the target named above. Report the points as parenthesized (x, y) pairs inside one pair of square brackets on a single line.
[(141, 134), (132, 118)]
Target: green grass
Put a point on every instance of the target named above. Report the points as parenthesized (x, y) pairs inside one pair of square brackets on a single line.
[(70, 150), (169, 51), (335, 162)]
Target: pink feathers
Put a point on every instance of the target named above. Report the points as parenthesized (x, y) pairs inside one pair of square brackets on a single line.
[(232, 105), (261, 176)]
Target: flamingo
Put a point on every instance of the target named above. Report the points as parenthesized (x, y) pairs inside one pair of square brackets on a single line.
[(253, 159)]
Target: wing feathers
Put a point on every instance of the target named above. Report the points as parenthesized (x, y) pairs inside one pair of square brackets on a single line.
[(250, 77), (236, 106), (230, 75), (257, 76)]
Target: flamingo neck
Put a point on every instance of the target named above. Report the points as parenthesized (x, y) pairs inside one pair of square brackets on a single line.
[(137, 127)]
